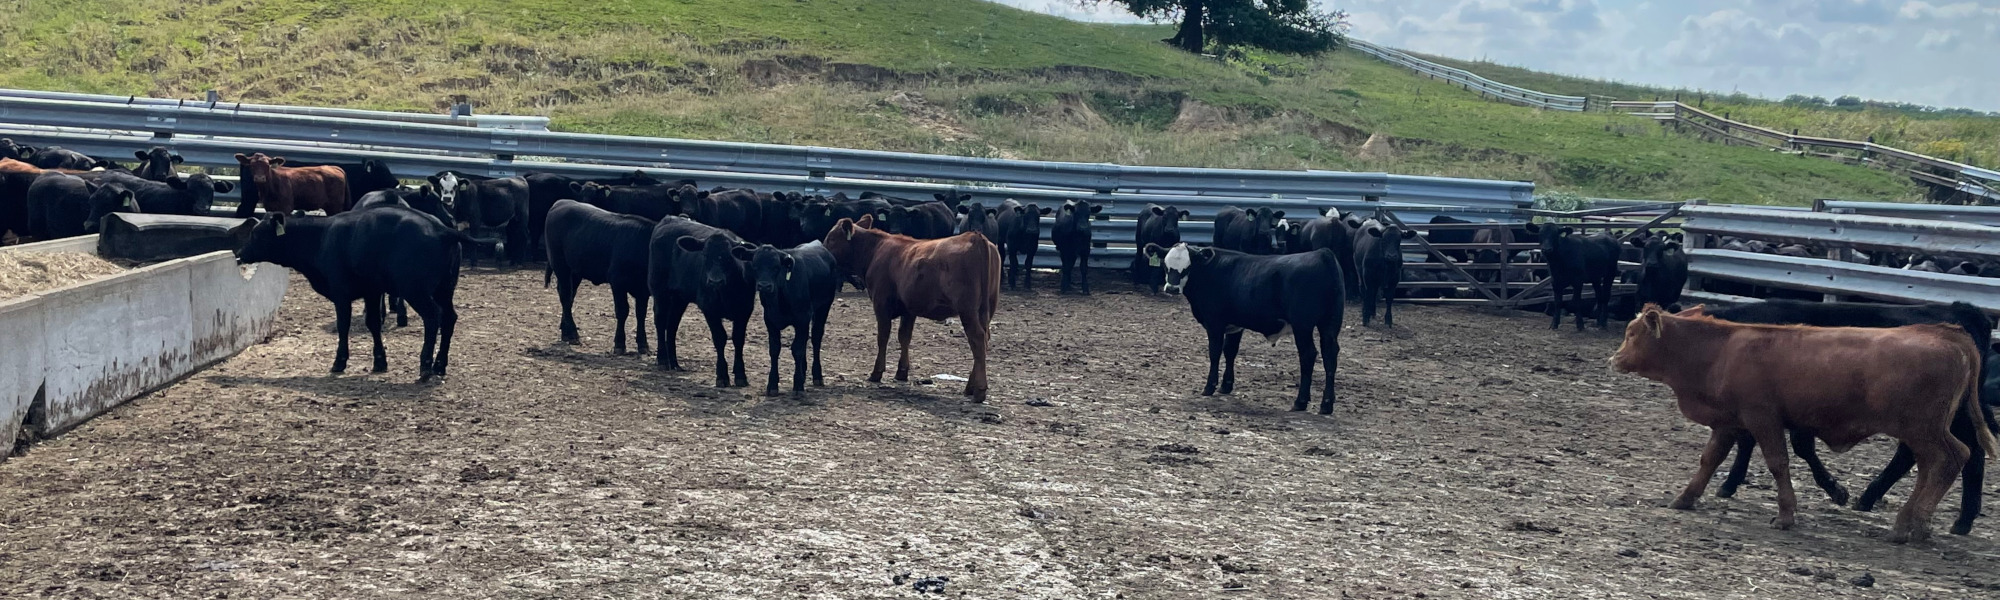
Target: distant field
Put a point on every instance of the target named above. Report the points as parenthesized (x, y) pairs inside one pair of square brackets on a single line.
[(950, 76)]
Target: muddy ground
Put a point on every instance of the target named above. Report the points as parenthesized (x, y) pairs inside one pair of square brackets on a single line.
[(1473, 454)]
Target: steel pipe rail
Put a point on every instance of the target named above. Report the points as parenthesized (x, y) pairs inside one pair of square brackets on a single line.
[(169, 121), (1929, 237), (487, 121), (1981, 215), (1471, 81), (1833, 277)]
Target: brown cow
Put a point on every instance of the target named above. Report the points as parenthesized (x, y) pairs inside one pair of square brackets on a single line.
[(282, 189), (1841, 384), (907, 278)]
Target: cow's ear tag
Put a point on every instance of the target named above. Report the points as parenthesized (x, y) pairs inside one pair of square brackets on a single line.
[(1153, 260), (829, 211), (281, 228), (788, 276), (850, 233)]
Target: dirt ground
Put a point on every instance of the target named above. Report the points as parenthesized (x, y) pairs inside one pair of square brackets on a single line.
[(1473, 454)]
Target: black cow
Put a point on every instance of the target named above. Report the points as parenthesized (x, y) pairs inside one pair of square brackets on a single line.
[(1020, 240), (9, 149), (1253, 231), (976, 217), (190, 195), (1071, 235), (366, 255), (61, 205), (694, 263), (483, 204), (650, 201), (544, 189), (1159, 226), (1854, 314), (1663, 271), (796, 287), (587, 243), (1332, 231), (817, 216), (950, 200), (1574, 260), (926, 221), (1452, 236), (422, 199), (58, 157), (1230, 291), (157, 164), (1379, 254)]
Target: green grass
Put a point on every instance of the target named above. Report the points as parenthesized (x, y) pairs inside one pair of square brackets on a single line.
[(948, 76)]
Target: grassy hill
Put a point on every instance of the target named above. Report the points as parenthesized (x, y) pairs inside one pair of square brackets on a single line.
[(950, 76), (1961, 135)]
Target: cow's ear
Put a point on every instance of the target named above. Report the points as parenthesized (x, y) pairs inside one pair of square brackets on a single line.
[(1698, 310), (689, 243), (786, 261), (1277, 214), (142, 156), (1532, 228), (882, 214), (574, 186), (1186, 214), (127, 200), (866, 222), (176, 159), (177, 183), (1204, 254), (1566, 231), (964, 210), (1677, 237), (278, 161), (990, 213), (1020, 210), (1409, 233), (224, 187), (278, 218), (1374, 231), (1156, 210), (743, 252), (1654, 320), (1153, 250), (1096, 209), (241, 158), (464, 184)]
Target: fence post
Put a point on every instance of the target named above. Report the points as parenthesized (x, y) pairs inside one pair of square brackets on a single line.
[(1695, 241)]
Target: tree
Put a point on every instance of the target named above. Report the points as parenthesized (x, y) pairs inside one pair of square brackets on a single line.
[(1282, 25)]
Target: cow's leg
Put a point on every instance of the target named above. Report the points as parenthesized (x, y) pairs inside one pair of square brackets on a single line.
[(1064, 259), (1367, 304), (1899, 465), (1771, 443), (736, 337), (639, 315), (517, 241), (1028, 269), (1229, 347), (1555, 303), (1577, 305), (1302, 337), (1939, 458), (402, 312), (818, 333), (777, 339), (1083, 268), (447, 326), (1215, 342), (1389, 304), (720, 338), (1975, 473), (667, 326), (1804, 445), (566, 285), (977, 335), (372, 311), (903, 333), (1719, 441), (798, 355), (429, 310), (1739, 469), (1603, 304), (881, 346), (1329, 356), (343, 319), (1013, 265), (619, 310)]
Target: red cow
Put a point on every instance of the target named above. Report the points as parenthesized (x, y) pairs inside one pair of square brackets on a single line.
[(1840, 384), (283, 189), (907, 278)]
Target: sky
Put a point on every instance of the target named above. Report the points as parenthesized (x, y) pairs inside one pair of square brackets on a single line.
[(1942, 53)]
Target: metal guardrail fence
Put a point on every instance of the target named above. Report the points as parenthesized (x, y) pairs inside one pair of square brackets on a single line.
[(1982, 215), (1848, 279), (489, 121), (1472, 82)]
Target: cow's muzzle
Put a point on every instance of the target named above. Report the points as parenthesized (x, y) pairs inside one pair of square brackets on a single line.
[(1171, 289)]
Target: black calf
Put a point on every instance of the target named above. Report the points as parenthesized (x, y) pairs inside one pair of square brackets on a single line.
[(796, 287), (1379, 255), (587, 243), (1573, 261), (1020, 236), (1160, 226), (1072, 238), (1663, 271), (694, 263), (1230, 291)]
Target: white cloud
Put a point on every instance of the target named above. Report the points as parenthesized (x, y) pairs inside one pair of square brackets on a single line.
[(1937, 52)]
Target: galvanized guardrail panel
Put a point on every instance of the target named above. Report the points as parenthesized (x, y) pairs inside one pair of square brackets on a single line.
[(489, 121), (1929, 237), (1981, 215), (1471, 80), (1832, 277)]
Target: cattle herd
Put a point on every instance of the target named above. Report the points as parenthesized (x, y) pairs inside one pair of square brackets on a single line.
[(1754, 374)]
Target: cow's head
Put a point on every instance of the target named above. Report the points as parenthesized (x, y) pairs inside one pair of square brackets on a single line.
[(9, 149), (1075, 214), (1284, 235), (157, 164), (264, 242), (1647, 338), (1034, 210), (1391, 247), (106, 199), (588, 192), (974, 217), (952, 199), (1549, 234), (722, 258), (1178, 260), (377, 168), (257, 167), (200, 190), (449, 185), (840, 239), (771, 270), (1169, 222)]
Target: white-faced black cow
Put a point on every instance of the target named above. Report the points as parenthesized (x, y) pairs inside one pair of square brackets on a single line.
[(487, 204), (1574, 260), (1230, 291), (1378, 253), (1071, 235), (1159, 226), (796, 287), (689, 262), (1020, 239), (365, 255), (587, 243)]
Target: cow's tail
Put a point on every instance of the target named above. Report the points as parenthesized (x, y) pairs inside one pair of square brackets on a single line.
[(548, 271), (1968, 401)]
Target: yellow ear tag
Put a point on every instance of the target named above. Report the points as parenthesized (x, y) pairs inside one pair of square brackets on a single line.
[(829, 211), (788, 276), (1153, 260), (850, 233), (281, 228)]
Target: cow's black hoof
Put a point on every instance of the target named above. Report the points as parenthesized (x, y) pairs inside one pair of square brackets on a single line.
[(1839, 496), (381, 368), (572, 341), (1298, 407), (741, 382), (1730, 492), (1961, 528), (1326, 410), (1863, 504)]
